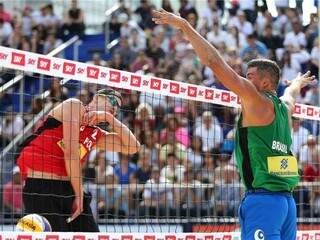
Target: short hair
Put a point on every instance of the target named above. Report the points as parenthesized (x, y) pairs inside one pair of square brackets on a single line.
[(109, 92), (267, 66)]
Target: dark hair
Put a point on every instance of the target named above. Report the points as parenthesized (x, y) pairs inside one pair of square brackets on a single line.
[(109, 92), (267, 66)]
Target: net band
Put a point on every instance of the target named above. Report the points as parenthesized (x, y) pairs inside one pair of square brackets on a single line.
[(304, 235), (38, 63)]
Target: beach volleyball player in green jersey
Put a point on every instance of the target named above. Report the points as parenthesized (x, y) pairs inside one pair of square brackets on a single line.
[(263, 140)]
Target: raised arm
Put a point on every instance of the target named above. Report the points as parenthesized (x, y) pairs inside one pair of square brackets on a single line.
[(209, 55), (293, 90), (120, 140)]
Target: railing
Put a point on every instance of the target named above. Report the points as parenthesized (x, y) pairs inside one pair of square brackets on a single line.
[(108, 13)]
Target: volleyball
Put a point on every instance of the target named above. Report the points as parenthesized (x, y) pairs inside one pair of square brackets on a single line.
[(33, 223)]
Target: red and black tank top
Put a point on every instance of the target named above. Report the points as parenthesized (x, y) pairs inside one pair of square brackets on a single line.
[(43, 151)]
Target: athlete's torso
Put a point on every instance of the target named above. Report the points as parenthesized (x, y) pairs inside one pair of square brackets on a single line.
[(43, 151), (263, 153)]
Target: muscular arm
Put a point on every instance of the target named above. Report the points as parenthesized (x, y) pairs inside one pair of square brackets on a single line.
[(70, 114), (209, 56), (121, 140)]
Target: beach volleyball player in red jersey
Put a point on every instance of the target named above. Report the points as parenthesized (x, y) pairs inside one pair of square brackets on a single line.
[(51, 159)]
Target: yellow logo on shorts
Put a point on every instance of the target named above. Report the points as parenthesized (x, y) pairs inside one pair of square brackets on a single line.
[(283, 166)]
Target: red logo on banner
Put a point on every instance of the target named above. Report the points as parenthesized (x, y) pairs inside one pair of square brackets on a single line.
[(225, 97), (115, 76), (208, 238), (209, 94), (170, 237), (103, 237), (297, 109), (310, 111), (305, 236), (18, 59), (227, 237), (93, 72), (24, 237), (192, 91), (52, 237), (135, 81), (43, 63), (190, 237), (126, 237), (174, 88), (155, 84), (149, 237), (69, 68), (238, 100), (79, 237)]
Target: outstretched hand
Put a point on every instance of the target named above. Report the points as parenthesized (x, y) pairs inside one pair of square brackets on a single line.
[(303, 80), (164, 17)]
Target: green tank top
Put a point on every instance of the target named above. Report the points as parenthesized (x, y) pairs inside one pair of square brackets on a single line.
[(263, 153)]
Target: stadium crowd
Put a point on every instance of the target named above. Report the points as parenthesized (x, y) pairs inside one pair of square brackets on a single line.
[(184, 142)]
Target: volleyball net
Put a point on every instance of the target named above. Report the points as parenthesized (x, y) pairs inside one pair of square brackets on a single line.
[(183, 179)]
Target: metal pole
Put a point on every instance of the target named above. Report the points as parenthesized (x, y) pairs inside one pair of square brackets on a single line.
[(21, 96)]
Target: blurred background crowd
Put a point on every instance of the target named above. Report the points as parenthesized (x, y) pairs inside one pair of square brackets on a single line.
[(183, 142)]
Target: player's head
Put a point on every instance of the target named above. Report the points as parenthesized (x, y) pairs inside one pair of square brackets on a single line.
[(107, 99), (264, 74)]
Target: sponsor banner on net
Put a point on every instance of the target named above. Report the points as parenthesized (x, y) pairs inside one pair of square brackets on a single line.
[(302, 235), (58, 67)]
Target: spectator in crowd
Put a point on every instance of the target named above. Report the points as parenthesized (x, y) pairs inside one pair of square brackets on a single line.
[(254, 49), (97, 60), (309, 159), (144, 121), (12, 194), (12, 125), (296, 38), (5, 31), (5, 15), (136, 42), (142, 62), (110, 201), (125, 51), (117, 62), (51, 43), (144, 12), (186, 8), (166, 5), (74, 23), (240, 21), (174, 132), (208, 167), (315, 53), (299, 135), (227, 195), (173, 171), (270, 40), (124, 169), (58, 93), (154, 51), (195, 154), (144, 165), (156, 197), (217, 36), (210, 131)]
